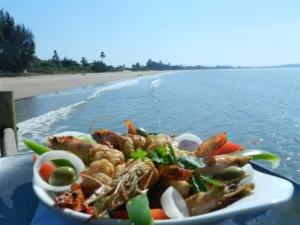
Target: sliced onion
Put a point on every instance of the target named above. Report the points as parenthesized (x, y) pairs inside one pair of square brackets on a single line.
[(250, 173), (52, 155), (173, 204), (188, 142), (174, 144)]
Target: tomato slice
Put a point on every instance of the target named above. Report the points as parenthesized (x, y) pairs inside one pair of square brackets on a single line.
[(228, 147), (46, 169)]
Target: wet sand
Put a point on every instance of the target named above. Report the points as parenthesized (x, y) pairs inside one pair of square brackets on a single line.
[(26, 87)]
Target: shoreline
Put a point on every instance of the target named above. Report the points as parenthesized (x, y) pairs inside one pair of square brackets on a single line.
[(32, 86), (25, 87)]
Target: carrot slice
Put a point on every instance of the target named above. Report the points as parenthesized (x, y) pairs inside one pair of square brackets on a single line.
[(157, 214), (46, 169), (228, 147)]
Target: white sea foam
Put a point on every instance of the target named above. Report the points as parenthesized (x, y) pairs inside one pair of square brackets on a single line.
[(34, 127), (158, 75), (68, 93), (115, 86), (155, 83), (38, 127), (168, 73)]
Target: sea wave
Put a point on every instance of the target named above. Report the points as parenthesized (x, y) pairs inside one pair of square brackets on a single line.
[(34, 127), (67, 93), (115, 86), (155, 83), (157, 75), (168, 73), (38, 127)]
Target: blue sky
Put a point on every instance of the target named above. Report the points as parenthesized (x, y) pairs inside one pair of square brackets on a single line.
[(188, 32)]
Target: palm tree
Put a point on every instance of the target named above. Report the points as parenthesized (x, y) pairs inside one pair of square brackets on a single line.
[(84, 62), (102, 55)]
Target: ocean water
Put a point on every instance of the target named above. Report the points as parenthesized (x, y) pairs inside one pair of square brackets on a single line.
[(254, 104)]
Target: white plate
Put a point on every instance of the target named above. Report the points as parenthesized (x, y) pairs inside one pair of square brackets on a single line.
[(270, 191)]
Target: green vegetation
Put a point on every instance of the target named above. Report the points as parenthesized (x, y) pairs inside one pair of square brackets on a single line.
[(67, 65), (17, 45), (17, 56)]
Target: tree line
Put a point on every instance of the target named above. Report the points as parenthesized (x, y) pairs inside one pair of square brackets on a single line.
[(17, 55), (17, 46), (65, 65)]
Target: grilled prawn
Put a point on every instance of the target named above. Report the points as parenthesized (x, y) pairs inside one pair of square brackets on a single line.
[(115, 193), (215, 165), (216, 197), (86, 151)]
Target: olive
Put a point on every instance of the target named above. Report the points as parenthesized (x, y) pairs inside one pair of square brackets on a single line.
[(233, 172), (62, 176), (141, 131)]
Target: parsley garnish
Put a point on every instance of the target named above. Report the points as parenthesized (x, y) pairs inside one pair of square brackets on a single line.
[(161, 156), (139, 154)]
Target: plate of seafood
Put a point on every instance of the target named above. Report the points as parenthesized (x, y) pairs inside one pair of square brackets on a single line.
[(139, 178)]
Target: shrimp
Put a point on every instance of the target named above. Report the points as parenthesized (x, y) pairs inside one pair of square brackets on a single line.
[(125, 143), (99, 173), (138, 140), (119, 170), (65, 142), (130, 143), (92, 181), (211, 145), (75, 145), (103, 152), (87, 152), (215, 165), (173, 172), (216, 197), (101, 166), (103, 136), (151, 178), (131, 127), (155, 141), (110, 196)]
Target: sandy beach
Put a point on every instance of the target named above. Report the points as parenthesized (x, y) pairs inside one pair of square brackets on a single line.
[(25, 87)]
